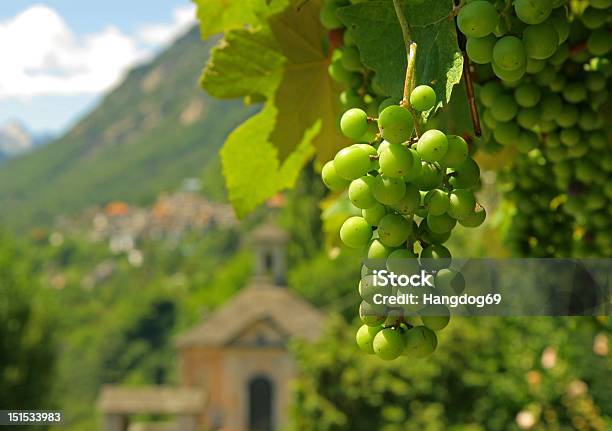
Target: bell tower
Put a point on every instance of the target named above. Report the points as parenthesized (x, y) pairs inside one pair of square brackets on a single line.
[(269, 243)]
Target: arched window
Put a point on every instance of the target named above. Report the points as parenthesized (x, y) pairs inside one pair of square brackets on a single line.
[(261, 395)]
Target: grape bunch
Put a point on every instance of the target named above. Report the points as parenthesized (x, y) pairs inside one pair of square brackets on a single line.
[(412, 191), (545, 73)]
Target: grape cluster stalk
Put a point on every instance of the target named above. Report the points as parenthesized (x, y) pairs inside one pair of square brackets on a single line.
[(544, 69), (411, 188)]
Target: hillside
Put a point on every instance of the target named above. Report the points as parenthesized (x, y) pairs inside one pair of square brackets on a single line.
[(153, 130)]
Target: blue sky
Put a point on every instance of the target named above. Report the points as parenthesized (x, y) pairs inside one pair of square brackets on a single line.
[(60, 56)]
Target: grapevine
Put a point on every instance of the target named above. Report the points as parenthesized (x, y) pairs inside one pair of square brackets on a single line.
[(412, 189), (545, 73), (541, 72)]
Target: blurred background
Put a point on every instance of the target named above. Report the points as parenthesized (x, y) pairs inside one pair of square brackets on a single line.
[(131, 296)]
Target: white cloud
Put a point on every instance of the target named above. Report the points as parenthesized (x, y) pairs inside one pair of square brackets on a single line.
[(161, 34), (42, 56)]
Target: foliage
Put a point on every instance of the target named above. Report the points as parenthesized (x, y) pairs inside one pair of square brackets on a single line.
[(485, 372), (28, 343)]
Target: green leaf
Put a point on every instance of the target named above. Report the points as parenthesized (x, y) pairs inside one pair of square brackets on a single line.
[(250, 162), (378, 35), (219, 16), (245, 63), (285, 63)]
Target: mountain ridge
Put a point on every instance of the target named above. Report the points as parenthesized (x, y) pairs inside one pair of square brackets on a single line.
[(154, 129)]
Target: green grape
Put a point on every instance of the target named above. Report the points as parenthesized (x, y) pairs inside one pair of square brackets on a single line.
[(328, 17), (388, 191), (432, 145), (466, 175), (509, 76), (423, 98), (395, 160), (527, 95), (354, 123), (350, 99), (506, 133), (559, 21), (480, 49), (420, 342), (594, 18), (386, 103), (474, 219), (393, 230), (440, 224), (540, 40), (456, 153), (527, 141), (365, 337), (505, 108), (430, 177), (373, 214), (561, 54), (403, 261), (435, 317), (370, 314), (395, 124), (388, 344), (551, 106), (570, 137), (589, 120), (339, 74), (352, 162), (410, 202), (532, 11), (558, 84), (449, 279), (461, 203), (575, 92), (415, 169), (331, 179), (355, 232), (351, 60), (489, 93), (599, 42), (598, 141), (430, 237), (528, 118), (436, 201), (509, 53), (377, 251), (568, 116), (361, 192), (435, 257), (477, 19), (595, 81), (534, 66), (546, 75)]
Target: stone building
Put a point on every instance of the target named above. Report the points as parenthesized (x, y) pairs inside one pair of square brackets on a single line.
[(235, 366)]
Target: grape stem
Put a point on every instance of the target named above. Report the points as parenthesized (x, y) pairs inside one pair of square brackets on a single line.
[(411, 48), (469, 84)]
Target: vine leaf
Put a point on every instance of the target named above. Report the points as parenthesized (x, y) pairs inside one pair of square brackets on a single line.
[(378, 35), (284, 63), (219, 16), (251, 166)]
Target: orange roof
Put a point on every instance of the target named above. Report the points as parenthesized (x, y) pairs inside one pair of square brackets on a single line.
[(117, 209)]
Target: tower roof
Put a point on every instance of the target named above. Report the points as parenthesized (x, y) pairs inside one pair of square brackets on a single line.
[(268, 233), (258, 301)]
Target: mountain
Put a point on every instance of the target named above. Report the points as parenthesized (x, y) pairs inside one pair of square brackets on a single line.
[(14, 140), (148, 134)]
